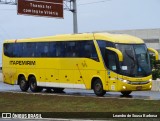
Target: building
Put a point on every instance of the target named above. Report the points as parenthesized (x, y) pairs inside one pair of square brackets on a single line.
[(150, 36)]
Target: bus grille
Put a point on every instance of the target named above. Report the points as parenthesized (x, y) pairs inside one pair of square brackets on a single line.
[(138, 83)]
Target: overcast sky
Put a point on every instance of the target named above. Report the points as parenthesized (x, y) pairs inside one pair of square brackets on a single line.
[(102, 16)]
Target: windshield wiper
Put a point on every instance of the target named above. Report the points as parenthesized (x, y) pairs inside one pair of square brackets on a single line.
[(134, 62)]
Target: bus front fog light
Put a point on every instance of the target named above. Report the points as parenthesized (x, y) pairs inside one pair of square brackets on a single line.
[(124, 87), (150, 86)]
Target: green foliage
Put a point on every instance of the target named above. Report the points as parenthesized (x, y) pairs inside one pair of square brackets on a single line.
[(155, 67), (155, 74)]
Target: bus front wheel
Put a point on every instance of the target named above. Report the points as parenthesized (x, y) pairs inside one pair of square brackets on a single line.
[(23, 84), (126, 93), (33, 85), (98, 88)]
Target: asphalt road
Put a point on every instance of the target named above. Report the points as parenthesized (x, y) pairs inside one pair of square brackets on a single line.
[(144, 95)]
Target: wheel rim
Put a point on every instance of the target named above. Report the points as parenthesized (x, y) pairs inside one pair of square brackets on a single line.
[(33, 85), (23, 83), (98, 88)]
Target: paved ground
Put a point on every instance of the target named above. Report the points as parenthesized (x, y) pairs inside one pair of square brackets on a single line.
[(0, 76), (145, 95), (142, 95)]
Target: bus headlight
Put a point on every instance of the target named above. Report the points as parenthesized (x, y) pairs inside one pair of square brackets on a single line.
[(150, 86), (125, 81), (150, 80)]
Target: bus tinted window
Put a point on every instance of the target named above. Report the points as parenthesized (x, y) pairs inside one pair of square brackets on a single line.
[(29, 49), (61, 49), (52, 49), (102, 45), (17, 50), (42, 49), (45, 49), (86, 49), (8, 49), (70, 49)]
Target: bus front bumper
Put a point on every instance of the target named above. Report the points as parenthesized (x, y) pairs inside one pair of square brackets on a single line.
[(123, 86)]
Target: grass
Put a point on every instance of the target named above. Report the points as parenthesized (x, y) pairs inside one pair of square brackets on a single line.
[(21, 102)]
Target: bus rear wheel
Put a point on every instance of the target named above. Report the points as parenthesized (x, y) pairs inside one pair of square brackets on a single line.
[(23, 84), (98, 88), (33, 85), (126, 93)]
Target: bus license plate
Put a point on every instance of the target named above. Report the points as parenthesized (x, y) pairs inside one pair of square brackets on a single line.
[(139, 88)]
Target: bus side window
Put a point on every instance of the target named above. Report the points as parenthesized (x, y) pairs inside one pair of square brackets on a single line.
[(111, 60), (45, 51), (42, 49), (86, 49), (79, 49), (90, 50), (102, 45), (38, 49), (70, 49), (18, 50), (60, 52), (29, 49), (52, 49), (8, 49)]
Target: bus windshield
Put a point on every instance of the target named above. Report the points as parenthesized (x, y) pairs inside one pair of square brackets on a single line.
[(136, 60)]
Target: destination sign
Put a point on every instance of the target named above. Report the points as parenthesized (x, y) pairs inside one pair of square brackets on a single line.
[(46, 8)]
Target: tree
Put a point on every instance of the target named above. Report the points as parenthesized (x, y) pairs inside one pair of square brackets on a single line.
[(155, 65)]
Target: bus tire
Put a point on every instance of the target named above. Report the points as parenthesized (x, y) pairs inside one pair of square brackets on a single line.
[(33, 85), (58, 89), (98, 88), (126, 93), (23, 84)]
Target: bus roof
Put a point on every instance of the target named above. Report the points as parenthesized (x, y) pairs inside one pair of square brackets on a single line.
[(116, 38)]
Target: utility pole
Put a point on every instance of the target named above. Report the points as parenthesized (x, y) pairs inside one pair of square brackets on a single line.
[(75, 23), (71, 5)]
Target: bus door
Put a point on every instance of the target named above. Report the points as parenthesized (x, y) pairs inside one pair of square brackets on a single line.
[(112, 68)]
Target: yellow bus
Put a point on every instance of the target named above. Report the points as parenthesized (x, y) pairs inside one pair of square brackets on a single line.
[(99, 61)]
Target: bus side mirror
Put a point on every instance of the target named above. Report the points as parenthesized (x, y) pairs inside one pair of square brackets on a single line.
[(118, 52), (155, 52)]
